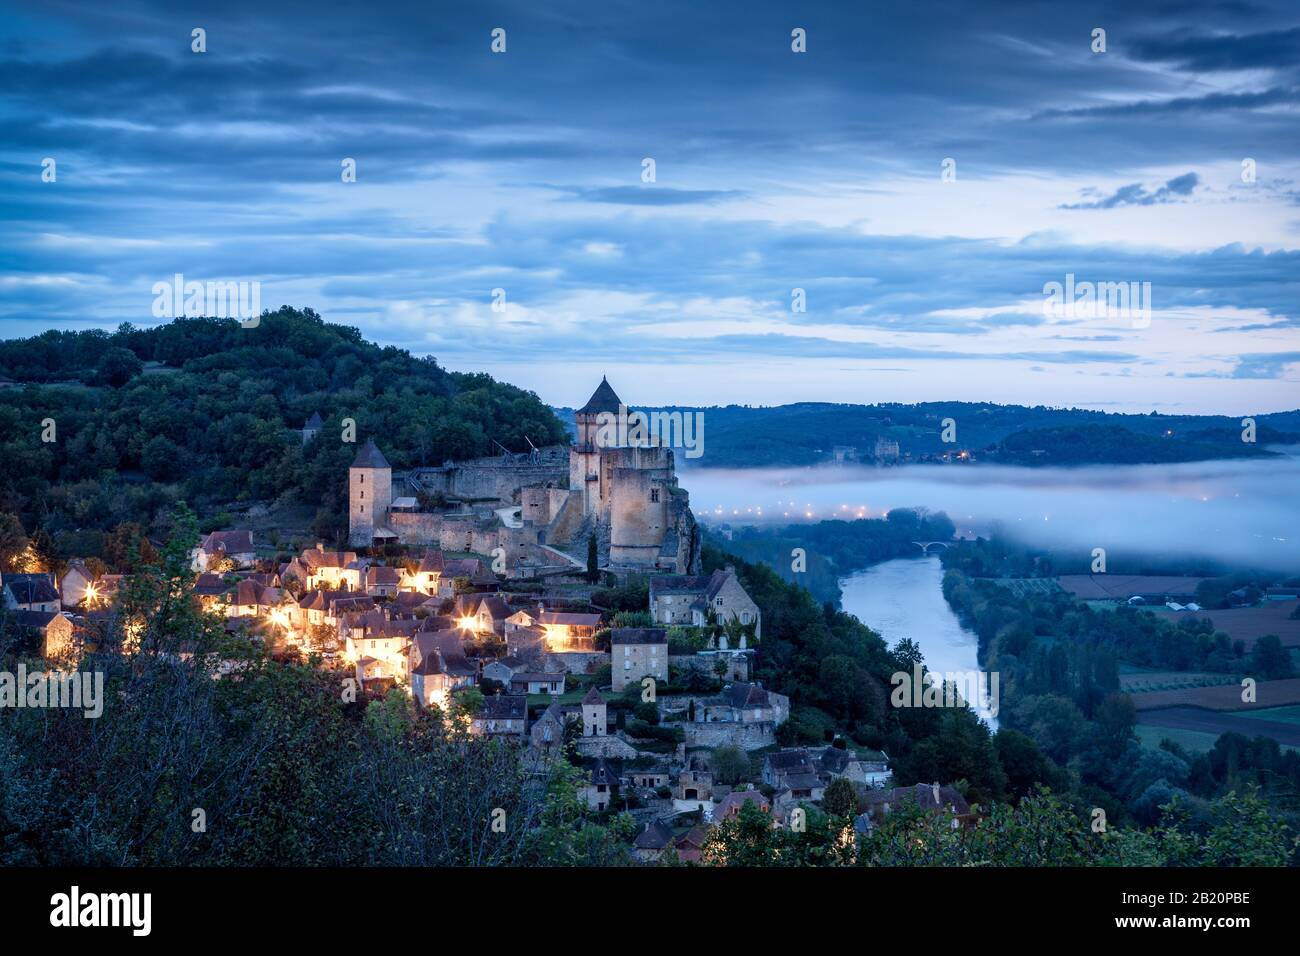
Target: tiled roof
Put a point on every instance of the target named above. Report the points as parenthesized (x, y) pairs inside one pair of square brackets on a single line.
[(31, 588), (639, 635), (228, 542), (370, 456), (504, 707), (602, 399)]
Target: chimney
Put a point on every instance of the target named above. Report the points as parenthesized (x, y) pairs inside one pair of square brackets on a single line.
[(320, 545), (934, 787)]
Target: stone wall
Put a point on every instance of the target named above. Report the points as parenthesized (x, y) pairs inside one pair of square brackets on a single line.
[(609, 746), (745, 736), (416, 527), (499, 479), (573, 662)]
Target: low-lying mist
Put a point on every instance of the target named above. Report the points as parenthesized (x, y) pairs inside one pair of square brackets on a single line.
[(1239, 512)]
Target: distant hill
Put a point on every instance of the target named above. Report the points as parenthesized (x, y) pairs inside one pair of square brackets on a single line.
[(738, 436), (208, 410)]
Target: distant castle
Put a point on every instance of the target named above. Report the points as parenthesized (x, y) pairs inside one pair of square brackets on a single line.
[(626, 495)]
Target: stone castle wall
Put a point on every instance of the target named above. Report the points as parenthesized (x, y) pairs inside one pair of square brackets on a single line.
[(753, 736)]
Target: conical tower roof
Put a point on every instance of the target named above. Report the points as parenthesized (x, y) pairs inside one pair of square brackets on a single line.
[(370, 457), (602, 399)]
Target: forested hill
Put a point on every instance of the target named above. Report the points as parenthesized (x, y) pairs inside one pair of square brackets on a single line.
[(207, 410), (741, 436)]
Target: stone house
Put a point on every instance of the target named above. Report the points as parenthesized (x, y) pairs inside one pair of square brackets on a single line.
[(427, 575), (744, 703), (871, 771), (502, 715), (731, 803), (528, 682), (929, 797), (489, 614), (30, 592), (595, 714), (649, 778), (694, 787), (796, 763), (382, 581), (564, 630), (689, 847), (77, 581), (325, 570), (53, 631), (650, 844), (466, 569), (503, 670), (438, 667), (546, 736), (311, 427), (689, 599), (527, 643), (219, 546), (637, 653), (603, 788)]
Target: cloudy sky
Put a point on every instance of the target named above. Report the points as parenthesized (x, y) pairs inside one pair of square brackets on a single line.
[(774, 171)]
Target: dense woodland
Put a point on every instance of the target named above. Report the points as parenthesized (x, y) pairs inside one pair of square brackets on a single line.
[(206, 411)]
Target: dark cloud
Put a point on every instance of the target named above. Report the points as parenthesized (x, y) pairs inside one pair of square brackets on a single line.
[(1136, 194)]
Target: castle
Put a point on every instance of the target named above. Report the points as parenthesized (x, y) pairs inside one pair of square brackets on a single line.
[(537, 507)]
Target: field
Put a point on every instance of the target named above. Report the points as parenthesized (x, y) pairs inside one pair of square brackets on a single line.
[(1024, 587), (1285, 715), (1247, 624), (1188, 721), (1139, 681), (1193, 741), (1225, 697)]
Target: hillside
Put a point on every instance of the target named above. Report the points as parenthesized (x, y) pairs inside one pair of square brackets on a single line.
[(207, 411), (805, 433)]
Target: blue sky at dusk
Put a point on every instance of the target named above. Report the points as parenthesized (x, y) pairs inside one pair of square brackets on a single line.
[(774, 170)]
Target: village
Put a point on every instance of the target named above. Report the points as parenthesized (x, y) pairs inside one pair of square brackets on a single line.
[(640, 672)]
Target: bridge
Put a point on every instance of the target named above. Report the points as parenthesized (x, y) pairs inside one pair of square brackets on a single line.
[(930, 547)]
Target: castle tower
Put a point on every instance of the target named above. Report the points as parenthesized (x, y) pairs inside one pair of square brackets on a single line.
[(585, 475), (370, 492), (595, 716), (311, 428)]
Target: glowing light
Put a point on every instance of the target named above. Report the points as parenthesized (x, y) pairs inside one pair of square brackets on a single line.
[(467, 623)]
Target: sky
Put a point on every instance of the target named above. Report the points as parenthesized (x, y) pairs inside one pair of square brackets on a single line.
[(921, 172)]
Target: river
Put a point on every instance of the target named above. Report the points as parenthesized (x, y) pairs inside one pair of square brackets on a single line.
[(904, 599)]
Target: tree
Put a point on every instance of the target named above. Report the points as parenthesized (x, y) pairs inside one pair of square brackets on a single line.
[(117, 366), (729, 764), (841, 799), (1270, 659), (13, 542), (593, 561)]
